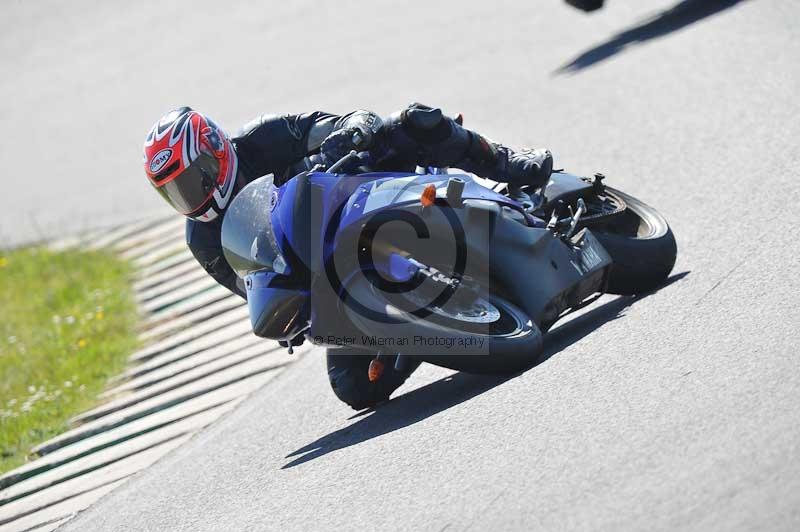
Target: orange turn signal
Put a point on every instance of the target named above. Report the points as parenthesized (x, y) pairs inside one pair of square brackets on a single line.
[(428, 195), (375, 370)]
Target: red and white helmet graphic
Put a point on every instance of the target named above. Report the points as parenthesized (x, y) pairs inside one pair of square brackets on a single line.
[(191, 162)]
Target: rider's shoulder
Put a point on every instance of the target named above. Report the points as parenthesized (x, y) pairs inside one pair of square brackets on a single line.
[(295, 124), (258, 122)]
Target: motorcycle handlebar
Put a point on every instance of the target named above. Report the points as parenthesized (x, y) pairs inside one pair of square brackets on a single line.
[(351, 157)]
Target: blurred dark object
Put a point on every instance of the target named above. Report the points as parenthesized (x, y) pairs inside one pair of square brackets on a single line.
[(677, 17), (586, 5)]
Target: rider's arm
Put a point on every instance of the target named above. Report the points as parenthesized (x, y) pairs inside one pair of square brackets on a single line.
[(203, 239), (274, 143)]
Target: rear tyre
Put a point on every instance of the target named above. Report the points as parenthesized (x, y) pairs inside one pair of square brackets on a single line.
[(641, 245)]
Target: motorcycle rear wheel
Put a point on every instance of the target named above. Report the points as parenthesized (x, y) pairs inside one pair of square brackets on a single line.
[(641, 245)]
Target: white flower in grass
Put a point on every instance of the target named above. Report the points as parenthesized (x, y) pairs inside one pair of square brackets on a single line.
[(31, 389), (67, 384), (11, 402), (56, 320), (12, 339), (69, 320)]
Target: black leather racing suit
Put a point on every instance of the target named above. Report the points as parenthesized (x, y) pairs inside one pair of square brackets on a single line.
[(282, 145)]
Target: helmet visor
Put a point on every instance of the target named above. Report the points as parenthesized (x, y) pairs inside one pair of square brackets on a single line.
[(193, 187)]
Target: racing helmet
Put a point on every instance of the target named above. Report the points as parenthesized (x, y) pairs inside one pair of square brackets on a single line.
[(191, 162)]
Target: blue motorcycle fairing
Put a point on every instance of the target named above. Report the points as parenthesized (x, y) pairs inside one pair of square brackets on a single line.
[(303, 208), (351, 198), (275, 312), (389, 189), (307, 213), (356, 196)]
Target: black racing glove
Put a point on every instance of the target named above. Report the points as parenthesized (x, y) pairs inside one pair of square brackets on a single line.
[(341, 142), (355, 131)]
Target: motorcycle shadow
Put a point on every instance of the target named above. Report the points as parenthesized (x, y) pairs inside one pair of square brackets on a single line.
[(431, 399)]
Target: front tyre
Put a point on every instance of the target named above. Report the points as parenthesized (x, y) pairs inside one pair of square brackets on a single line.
[(641, 245)]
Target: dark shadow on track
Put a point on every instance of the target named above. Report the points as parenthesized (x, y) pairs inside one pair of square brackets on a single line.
[(455, 389), (679, 16)]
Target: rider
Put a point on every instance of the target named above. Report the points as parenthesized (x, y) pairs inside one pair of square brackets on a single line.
[(198, 169)]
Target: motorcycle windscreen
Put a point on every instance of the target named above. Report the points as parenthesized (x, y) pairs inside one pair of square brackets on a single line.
[(248, 238)]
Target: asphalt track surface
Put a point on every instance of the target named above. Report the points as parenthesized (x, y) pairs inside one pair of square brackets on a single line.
[(678, 410)]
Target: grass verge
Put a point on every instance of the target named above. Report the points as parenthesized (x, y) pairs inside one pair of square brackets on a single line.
[(67, 324)]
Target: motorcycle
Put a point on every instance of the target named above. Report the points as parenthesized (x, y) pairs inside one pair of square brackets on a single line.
[(445, 268)]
